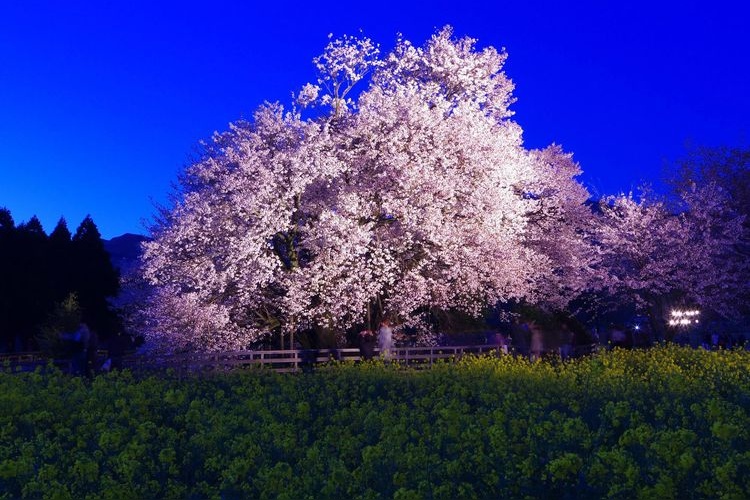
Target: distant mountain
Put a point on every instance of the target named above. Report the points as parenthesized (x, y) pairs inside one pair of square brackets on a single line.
[(124, 251)]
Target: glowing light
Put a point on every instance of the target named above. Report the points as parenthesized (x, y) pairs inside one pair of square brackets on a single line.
[(686, 317)]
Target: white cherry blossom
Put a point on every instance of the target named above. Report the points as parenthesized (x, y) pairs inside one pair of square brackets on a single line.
[(417, 194)]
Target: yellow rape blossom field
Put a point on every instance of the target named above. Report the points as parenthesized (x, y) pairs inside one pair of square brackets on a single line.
[(669, 422)]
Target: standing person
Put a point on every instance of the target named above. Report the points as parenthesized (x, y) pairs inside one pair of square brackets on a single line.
[(501, 342), (714, 341), (618, 336), (537, 344), (367, 341), (80, 356), (385, 339), (567, 338), (92, 348), (117, 346)]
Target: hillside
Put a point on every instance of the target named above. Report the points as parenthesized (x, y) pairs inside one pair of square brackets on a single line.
[(125, 250)]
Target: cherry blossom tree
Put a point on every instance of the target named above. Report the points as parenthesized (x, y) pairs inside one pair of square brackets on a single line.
[(727, 168), (658, 256), (410, 194)]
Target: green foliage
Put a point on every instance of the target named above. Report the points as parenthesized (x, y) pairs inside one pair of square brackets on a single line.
[(65, 318), (661, 423)]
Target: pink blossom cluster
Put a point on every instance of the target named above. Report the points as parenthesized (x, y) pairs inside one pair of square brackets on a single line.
[(410, 194), (656, 255)]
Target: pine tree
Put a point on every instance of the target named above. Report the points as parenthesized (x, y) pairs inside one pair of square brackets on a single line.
[(31, 298), (6, 221), (94, 278), (7, 246), (60, 261)]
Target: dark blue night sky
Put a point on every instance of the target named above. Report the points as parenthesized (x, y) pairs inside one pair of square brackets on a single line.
[(102, 103)]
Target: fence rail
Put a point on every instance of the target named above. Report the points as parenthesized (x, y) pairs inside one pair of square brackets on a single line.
[(287, 360), (29, 361), (292, 360)]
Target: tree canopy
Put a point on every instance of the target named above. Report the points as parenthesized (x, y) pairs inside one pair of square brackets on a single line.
[(39, 272), (410, 194), (657, 256), (398, 186)]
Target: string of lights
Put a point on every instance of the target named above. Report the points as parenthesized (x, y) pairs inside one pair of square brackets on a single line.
[(680, 317)]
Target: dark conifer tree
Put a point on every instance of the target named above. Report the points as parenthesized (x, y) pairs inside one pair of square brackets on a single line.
[(6, 221), (31, 299), (7, 257), (38, 272), (95, 279), (61, 234), (60, 261)]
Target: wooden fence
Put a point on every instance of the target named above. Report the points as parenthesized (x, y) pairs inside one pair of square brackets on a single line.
[(287, 360), (29, 361), (292, 360)]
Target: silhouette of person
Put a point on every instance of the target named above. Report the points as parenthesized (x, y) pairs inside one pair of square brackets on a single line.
[(385, 339)]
